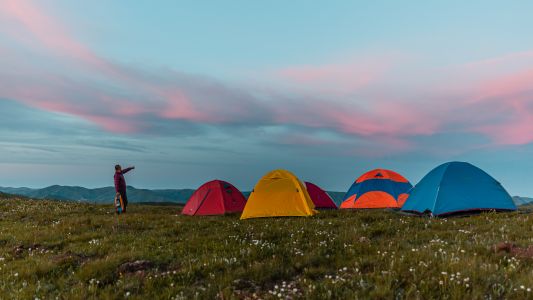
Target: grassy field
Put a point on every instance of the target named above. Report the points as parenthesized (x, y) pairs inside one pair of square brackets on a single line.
[(58, 250)]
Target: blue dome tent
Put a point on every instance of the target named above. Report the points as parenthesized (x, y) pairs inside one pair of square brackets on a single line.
[(457, 187)]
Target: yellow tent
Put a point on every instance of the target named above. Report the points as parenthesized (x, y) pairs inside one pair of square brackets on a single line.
[(278, 193)]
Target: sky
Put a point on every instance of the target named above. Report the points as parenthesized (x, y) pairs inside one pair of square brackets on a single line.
[(190, 91)]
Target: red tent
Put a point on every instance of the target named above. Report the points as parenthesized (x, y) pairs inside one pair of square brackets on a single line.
[(320, 198), (215, 197)]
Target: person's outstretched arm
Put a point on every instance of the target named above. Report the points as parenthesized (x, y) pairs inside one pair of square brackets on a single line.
[(127, 170)]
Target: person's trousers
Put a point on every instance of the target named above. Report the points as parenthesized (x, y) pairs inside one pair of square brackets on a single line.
[(124, 199)]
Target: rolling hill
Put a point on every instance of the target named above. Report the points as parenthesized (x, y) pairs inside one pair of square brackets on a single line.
[(101, 195), (520, 201), (135, 195), (106, 194)]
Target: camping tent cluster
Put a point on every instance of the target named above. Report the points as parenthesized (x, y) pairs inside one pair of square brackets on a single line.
[(451, 188)]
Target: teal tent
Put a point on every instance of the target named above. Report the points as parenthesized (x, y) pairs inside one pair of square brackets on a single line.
[(457, 187)]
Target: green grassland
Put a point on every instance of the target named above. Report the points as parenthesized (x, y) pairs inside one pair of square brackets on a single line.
[(61, 250)]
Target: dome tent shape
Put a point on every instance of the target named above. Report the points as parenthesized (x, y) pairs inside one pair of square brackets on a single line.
[(215, 197), (320, 198), (278, 194), (457, 187), (379, 188)]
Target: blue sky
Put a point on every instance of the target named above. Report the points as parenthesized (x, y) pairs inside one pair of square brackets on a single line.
[(189, 91), (200, 37)]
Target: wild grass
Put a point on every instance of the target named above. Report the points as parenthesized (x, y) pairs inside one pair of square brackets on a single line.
[(59, 250)]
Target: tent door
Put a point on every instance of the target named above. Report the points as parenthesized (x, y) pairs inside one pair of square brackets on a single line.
[(202, 202)]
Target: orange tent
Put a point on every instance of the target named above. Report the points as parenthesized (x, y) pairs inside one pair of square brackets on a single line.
[(378, 188), (278, 194)]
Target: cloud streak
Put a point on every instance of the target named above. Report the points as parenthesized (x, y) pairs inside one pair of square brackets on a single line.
[(372, 97), (341, 78), (129, 100)]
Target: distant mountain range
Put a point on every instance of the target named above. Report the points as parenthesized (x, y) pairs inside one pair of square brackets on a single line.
[(101, 195), (107, 194), (519, 201)]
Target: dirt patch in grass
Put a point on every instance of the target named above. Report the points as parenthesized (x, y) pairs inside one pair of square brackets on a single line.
[(245, 288), (70, 257), (135, 266), (514, 250), (20, 250)]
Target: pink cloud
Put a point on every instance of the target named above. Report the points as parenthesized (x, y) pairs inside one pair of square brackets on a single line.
[(391, 128), (506, 94), (341, 78), (55, 40), (165, 100), (489, 97), (513, 60), (179, 106), (507, 86), (510, 121), (352, 98), (114, 124), (47, 98), (48, 31), (517, 132)]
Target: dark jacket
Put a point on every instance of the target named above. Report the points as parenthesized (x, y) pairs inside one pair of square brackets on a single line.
[(120, 182)]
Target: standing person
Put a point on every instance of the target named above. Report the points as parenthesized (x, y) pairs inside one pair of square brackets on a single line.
[(120, 183)]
